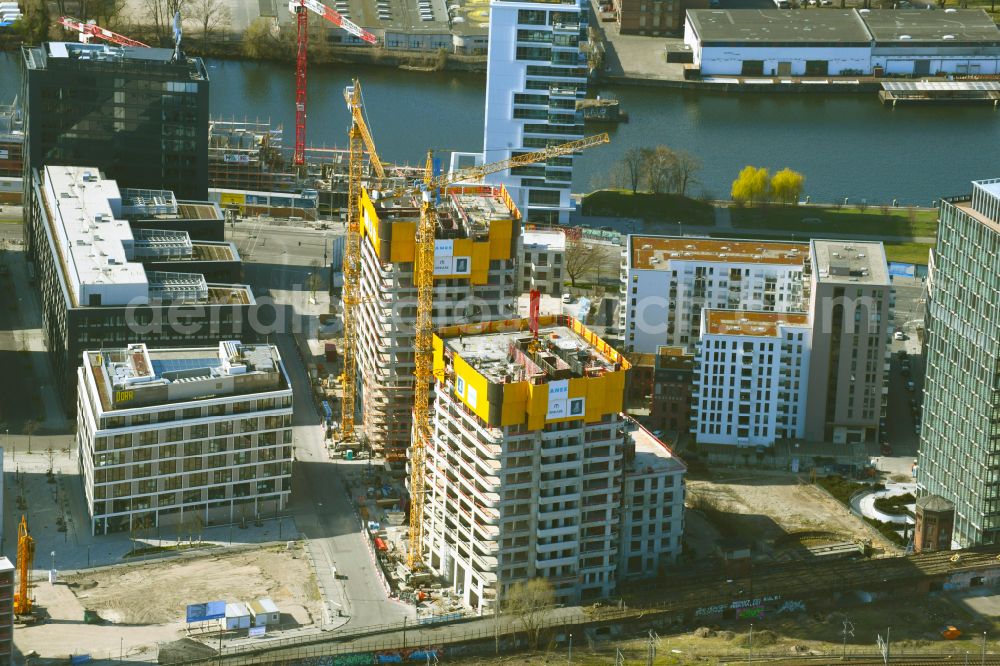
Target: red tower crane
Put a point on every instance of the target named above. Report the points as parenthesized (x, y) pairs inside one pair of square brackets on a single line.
[(90, 30), (299, 7)]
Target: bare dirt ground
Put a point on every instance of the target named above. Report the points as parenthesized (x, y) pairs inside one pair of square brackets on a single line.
[(771, 508), (144, 604)]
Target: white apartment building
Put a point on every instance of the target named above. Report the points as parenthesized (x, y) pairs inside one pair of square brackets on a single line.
[(668, 281), (183, 437), (526, 464), (751, 378), (535, 73), (474, 280), (652, 521), (541, 265)]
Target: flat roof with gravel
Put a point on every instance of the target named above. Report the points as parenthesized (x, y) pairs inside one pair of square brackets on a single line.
[(951, 26), (841, 27)]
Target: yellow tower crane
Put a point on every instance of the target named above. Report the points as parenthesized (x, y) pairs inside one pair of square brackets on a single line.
[(360, 140), (25, 558), (423, 277)]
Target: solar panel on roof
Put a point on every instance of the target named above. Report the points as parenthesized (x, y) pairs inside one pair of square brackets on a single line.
[(176, 364)]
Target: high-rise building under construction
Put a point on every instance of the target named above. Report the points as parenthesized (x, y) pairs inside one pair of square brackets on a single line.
[(533, 471), (475, 275)]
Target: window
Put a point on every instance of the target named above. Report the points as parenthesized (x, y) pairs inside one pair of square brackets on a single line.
[(531, 17)]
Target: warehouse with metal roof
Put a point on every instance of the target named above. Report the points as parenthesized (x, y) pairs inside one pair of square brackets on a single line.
[(842, 42)]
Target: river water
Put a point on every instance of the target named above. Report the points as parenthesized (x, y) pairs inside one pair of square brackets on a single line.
[(846, 145)]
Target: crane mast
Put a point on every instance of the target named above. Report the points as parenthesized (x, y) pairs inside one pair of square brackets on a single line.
[(300, 9), (423, 277), (25, 558)]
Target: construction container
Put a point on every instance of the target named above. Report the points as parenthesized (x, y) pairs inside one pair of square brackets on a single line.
[(237, 616), (264, 612)]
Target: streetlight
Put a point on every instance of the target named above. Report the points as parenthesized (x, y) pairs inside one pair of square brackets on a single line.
[(984, 649), (680, 228), (569, 657), (53, 556)]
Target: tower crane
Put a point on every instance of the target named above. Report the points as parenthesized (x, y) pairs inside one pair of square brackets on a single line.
[(423, 277), (25, 558), (89, 30), (360, 140), (300, 8)]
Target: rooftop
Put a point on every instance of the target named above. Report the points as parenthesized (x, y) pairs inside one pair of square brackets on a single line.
[(463, 212), (747, 322), (505, 352), (651, 455), (961, 26), (53, 53), (779, 26), (135, 375), (844, 261), (99, 252), (555, 241), (655, 252)]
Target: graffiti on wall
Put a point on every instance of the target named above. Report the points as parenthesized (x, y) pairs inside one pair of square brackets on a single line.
[(419, 654), (738, 605), (792, 606), (350, 659)]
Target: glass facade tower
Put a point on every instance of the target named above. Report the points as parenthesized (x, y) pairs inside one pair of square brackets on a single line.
[(959, 457)]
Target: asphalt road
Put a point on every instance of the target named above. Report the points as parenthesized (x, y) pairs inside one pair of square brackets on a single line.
[(324, 515), (907, 316)]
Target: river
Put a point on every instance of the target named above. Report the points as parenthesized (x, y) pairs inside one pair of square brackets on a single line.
[(846, 145)]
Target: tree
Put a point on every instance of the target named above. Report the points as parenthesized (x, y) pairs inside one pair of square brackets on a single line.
[(258, 38), (786, 186), (686, 166), (34, 25), (160, 15), (633, 166), (528, 601), (751, 186), (211, 16), (580, 258), (661, 171)]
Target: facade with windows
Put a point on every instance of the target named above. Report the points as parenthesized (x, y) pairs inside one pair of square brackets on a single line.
[(752, 379), (652, 514), (959, 455), (96, 272), (184, 438), (535, 74), (737, 302), (541, 265), (654, 17), (667, 281), (849, 311), (136, 114)]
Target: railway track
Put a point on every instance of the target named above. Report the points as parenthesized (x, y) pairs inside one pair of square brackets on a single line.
[(972, 659)]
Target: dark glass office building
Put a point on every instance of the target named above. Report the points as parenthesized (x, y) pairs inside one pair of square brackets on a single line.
[(139, 115)]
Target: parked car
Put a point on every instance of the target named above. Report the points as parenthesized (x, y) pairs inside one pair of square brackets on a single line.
[(886, 449), (899, 335), (567, 298), (910, 386)]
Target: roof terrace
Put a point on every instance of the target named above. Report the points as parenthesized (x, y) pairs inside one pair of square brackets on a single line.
[(656, 252)]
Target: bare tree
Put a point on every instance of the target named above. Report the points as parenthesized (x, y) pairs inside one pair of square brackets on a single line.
[(633, 167), (211, 16), (686, 166), (661, 169), (528, 601), (160, 15), (580, 258)]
